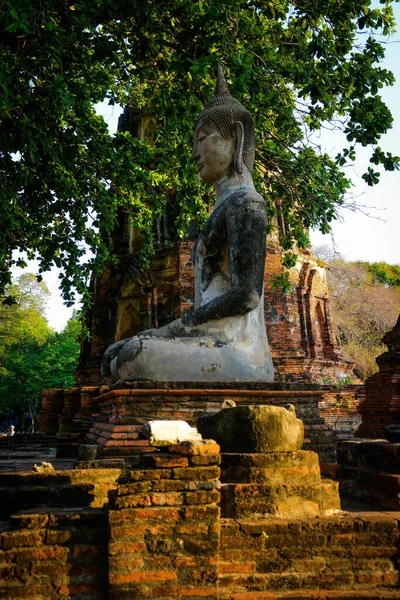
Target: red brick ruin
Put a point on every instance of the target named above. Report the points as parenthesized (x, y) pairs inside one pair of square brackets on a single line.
[(187, 520)]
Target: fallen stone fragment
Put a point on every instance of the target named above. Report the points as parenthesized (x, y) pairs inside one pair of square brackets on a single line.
[(44, 467), (195, 447), (165, 433)]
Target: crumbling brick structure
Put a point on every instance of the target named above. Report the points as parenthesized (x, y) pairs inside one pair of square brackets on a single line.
[(382, 402)]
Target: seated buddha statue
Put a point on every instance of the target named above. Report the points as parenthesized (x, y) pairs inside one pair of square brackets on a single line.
[(223, 339)]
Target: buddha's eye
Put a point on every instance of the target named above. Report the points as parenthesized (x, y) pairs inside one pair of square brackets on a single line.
[(201, 137)]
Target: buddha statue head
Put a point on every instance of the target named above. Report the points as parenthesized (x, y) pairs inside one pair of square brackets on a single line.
[(226, 130)]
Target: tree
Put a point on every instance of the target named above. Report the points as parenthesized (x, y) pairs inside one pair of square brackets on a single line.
[(296, 65), (388, 275), (32, 355), (23, 320), (363, 309)]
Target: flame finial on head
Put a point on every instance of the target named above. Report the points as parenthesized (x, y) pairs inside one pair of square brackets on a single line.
[(221, 86)]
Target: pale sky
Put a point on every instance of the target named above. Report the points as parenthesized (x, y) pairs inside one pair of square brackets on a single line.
[(359, 237), (371, 238)]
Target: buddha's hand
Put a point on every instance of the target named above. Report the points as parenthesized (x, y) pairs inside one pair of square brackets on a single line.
[(189, 319), (109, 359)]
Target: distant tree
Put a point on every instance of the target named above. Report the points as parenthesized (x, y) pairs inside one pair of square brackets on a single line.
[(381, 272), (297, 65), (364, 307), (32, 355), (24, 320)]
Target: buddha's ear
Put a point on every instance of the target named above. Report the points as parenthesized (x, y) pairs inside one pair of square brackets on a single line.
[(239, 130)]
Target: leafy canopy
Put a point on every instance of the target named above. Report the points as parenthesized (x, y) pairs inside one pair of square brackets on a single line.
[(297, 66)]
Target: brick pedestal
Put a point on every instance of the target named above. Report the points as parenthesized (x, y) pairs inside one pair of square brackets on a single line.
[(72, 398), (136, 405), (276, 485), (52, 402), (164, 527)]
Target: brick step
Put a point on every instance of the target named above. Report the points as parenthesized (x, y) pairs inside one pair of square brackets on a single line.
[(372, 576), (321, 436), (304, 594), (116, 451), (278, 468), (316, 425), (372, 454), (263, 501), (382, 489), (326, 452), (60, 489), (346, 554)]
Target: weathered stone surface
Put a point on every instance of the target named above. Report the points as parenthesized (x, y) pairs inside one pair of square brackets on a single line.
[(87, 452), (254, 429), (196, 448), (165, 433), (44, 467)]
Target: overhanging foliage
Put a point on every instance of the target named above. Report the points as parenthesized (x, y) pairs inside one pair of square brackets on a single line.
[(295, 65)]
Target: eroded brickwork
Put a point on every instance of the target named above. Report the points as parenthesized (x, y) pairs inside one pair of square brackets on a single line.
[(299, 323), (340, 408), (331, 553), (158, 534), (164, 527), (54, 554)]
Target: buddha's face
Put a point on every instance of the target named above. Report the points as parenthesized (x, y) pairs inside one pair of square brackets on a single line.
[(213, 154)]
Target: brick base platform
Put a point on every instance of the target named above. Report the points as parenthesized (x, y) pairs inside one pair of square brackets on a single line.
[(134, 406), (348, 556)]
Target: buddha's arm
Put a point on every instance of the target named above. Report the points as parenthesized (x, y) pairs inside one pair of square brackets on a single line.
[(246, 231)]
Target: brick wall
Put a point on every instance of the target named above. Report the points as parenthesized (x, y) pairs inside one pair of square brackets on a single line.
[(55, 554), (265, 560), (340, 408), (381, 405)]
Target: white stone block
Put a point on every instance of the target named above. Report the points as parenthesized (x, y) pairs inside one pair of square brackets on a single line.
[(164, 433)]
